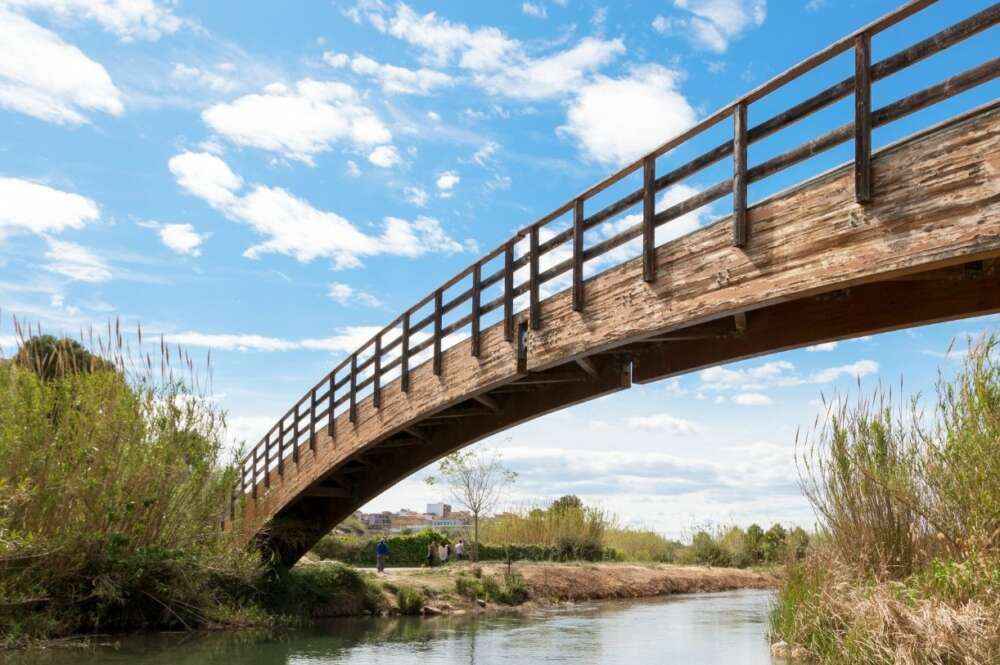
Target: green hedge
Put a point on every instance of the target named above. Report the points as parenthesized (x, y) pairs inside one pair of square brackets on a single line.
[(411, 550)]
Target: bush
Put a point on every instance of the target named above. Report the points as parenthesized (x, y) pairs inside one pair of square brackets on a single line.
[(322, 590), (404, 549), (506, 589), (409, 601), (111, 493), (470, 588)]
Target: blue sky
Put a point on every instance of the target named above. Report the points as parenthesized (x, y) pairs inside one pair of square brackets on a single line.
[(276, 183)]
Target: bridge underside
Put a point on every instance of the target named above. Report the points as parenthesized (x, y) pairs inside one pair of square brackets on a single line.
[(818, 268)]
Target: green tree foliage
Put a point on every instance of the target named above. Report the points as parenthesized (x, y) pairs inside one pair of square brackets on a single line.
[(52, 358)]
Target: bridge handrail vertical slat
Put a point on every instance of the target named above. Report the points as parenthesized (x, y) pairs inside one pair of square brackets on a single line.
[(534, 313), (578, 231), (476, 276), (862, 118)]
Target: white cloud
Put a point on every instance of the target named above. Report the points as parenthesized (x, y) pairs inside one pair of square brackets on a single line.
[(384, 156), (530, 9), (75, 261), (553, 76), (485, 155), (345, 294), (181, 238), (299, 123), (447, 180), (42, 209), (44, 77), (345, 341), (820, 348), (662, 422), (617, 120), (401, 80), (206, 176), (190, 74), (816, 5), (779, 373), (713, 24), (337, 60), (416, 195), (752, 399), (293, 227), (127, 19), (352, 168)]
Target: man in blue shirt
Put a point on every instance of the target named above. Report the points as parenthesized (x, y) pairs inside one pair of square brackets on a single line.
[(381, 553)]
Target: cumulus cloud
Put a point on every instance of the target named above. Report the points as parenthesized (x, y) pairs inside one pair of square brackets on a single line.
[(752, 399), (46, 78), (531, 9), (447, 180), (391, 78), (384, 156), (615, 120), (416, 195), (345, 294), (779, 373), (127, 19), (204, 78), (181, 238), (292, 226), (713, 24), (75, 261), (346, 340), (299, 122), (662, 422), (37, 208)]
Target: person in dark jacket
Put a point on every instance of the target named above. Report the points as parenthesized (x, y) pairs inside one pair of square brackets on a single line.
[(381, 554)]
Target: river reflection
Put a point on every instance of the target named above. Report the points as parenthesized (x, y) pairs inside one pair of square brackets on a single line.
[(696, 629)]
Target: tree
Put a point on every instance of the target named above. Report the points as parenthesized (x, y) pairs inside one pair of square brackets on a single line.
[(51, 358), (566, 502), (476, 481)]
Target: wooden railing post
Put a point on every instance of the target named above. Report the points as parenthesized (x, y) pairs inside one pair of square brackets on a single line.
[(649, 219), (312, 420), (578, 255), (740, 231), (377, 373), (534, 308), (508, 292), (437, 331), (331, 425), (253, 473), (281, 447), (354, 389), (295, 434), (404, 355), (862, 118), (476, 287), (267, 459)]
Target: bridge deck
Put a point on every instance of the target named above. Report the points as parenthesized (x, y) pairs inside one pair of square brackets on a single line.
[(901, 237)]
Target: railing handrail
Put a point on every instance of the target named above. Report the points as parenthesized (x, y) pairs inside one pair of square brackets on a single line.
[(859, 84)]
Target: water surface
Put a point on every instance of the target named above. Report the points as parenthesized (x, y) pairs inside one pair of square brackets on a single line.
[(725, 628)]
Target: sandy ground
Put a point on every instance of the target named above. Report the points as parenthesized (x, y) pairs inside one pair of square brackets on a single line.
[(583, 581)]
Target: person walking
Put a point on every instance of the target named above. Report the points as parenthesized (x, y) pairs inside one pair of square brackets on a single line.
[(460, 550), (381, 554), (443, 553), (430, 555)]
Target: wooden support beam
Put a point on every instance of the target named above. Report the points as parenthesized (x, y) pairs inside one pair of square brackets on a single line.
[(461, 413), (404, 358), (353, 415), (489, 402), (377, 373), (649, 219), (399, 443), (416, 433), (476, 286), (328, 492), (578, 255), (740, 321), (522, 347), (437, 332), (551, 377), (534, 306), (740, 232), (588, 366), (862, 118)]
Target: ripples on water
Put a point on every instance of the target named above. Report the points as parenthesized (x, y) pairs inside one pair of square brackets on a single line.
[(724, 628)]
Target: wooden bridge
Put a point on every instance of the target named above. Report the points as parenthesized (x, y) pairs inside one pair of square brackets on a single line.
[(902, 237)]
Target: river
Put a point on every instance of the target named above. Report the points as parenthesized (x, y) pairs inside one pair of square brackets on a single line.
[(725, 628)]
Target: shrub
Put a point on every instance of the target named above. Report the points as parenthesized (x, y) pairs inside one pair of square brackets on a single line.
[(323, 589), (410, 601), (470, 588)]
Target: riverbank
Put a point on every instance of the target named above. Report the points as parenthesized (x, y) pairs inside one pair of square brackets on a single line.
[(467, 587)]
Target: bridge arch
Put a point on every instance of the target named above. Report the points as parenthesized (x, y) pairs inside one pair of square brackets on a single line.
[(903, 236)]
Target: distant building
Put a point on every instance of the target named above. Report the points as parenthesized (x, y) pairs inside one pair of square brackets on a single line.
[(377, 521), (409, 522), (449, 523), (438, 509)]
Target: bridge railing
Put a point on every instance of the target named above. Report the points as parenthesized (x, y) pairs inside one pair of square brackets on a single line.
[(540, 251)]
